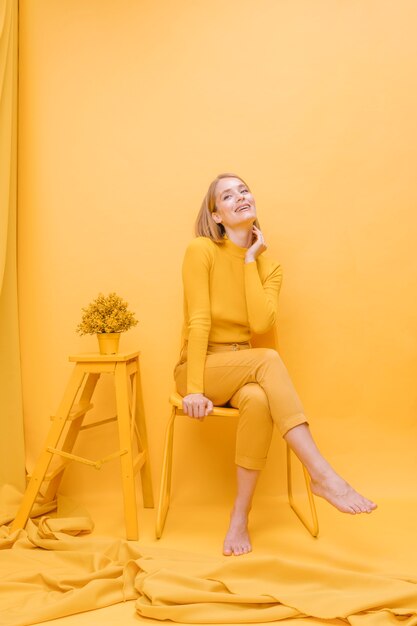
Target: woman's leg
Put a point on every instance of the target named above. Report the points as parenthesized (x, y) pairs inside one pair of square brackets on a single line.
[(253, 438), (325, 482), (227, 372), (266, 368), (237, 539)]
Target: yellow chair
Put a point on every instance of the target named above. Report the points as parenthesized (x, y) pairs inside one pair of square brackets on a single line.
[(224, 411)]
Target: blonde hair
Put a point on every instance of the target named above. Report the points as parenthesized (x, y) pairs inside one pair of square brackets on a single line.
[(205, 226)]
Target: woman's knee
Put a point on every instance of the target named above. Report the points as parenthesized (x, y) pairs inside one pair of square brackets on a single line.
[(253, 396), (268, 357)]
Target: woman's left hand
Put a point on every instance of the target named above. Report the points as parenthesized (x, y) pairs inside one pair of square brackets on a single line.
[(257, 247)]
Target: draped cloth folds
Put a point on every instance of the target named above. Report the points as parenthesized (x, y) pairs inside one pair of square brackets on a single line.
[(264, 589), (46, 572)]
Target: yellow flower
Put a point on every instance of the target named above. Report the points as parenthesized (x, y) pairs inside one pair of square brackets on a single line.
[(106, 314)]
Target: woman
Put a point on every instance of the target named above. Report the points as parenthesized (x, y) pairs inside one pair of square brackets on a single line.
[(231, 291)]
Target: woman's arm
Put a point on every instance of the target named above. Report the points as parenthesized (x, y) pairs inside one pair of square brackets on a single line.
[(196, 279), (261, 297)]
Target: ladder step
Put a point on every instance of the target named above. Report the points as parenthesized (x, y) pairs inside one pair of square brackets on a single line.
[(77, 411), (100, 423), (139, 461), (55, 472), (52, 473), (80, 459)]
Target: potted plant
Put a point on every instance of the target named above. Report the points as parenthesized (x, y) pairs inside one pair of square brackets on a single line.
[(106, 317)]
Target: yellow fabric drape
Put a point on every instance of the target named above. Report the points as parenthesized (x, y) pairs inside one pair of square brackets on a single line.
[(12, 458), (49, 573)]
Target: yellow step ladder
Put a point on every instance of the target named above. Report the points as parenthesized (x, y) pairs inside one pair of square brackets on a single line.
[(70, 418)]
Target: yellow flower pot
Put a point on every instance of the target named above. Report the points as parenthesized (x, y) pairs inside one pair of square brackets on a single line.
[(108, 343)]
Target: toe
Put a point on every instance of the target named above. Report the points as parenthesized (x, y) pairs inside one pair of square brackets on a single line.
[(227, 550), (366, 505)]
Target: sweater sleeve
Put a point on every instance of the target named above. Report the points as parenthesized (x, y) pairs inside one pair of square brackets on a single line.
[(262, 297), (196, 275)]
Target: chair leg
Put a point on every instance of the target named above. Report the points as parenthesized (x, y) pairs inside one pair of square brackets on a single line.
[(165, 490), (313, 525)]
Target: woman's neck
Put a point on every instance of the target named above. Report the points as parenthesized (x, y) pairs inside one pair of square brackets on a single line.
[(241, 237)]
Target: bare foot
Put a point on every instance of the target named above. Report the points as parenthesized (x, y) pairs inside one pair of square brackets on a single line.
[(237, 539), (341, 495)]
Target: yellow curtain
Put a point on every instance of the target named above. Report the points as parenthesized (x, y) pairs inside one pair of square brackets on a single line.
[(12, 458)]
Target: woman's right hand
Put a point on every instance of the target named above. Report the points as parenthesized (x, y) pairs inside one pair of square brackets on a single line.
[(196, 405), (258, 245)]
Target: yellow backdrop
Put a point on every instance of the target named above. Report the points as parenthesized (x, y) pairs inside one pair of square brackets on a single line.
[(127, 111)]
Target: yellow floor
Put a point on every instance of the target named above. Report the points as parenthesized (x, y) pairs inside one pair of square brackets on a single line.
[(383, 542)]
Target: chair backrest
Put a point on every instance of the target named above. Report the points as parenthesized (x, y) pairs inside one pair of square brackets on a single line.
[(267, 340)]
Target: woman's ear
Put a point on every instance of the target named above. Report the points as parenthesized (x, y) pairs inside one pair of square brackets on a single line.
[(216, 217)]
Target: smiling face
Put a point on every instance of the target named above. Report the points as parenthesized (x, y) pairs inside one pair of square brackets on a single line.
[(235, 205)]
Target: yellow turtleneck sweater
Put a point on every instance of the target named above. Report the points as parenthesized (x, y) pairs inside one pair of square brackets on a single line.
[(225, 300)]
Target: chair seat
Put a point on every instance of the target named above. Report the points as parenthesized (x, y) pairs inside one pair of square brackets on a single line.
[(220, 411)]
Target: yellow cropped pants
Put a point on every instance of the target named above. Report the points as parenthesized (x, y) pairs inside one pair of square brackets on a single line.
[(255, 381)]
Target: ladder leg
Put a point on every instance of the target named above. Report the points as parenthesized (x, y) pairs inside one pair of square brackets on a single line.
[(126, 459), (43, 461), (145, 471), (71, 437)]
